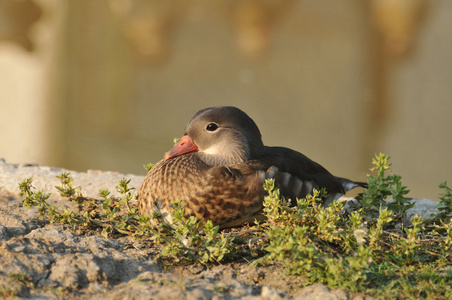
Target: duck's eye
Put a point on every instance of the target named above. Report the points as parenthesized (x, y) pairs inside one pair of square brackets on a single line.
[(212, 127)]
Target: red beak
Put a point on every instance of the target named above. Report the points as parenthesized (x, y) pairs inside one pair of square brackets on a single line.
[(185, 145)]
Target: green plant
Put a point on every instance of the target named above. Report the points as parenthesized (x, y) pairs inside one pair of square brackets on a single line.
[(445, 204), (368, 250), (382, 186), (148, 167), (101, 213), (308, 239), (187, 240), (22, 278), (66, 190), (362, 251), (195, 241)]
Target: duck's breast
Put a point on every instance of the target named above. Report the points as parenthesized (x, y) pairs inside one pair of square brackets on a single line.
[(227, 195)]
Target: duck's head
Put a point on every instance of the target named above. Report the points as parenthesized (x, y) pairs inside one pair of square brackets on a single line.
[(220, 135)]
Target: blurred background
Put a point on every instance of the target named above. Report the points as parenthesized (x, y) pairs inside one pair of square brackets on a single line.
[(108, 84)]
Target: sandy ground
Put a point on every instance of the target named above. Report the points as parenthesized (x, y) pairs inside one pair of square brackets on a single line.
[(63, 263)]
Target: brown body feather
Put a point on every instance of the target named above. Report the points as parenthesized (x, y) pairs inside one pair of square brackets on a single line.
[(229, 196)]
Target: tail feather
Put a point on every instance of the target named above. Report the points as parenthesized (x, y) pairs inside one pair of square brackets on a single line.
[(349, 185)]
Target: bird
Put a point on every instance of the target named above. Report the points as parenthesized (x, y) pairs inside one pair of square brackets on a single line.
[(218, 168)]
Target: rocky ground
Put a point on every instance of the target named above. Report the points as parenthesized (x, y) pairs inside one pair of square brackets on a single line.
[(40, 260)]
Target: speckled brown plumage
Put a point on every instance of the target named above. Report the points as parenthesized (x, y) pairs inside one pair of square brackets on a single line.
[(228, 196), (218, 169)]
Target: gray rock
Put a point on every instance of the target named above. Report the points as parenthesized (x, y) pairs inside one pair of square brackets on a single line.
[(56, 262), (422, 207), (45, 178)]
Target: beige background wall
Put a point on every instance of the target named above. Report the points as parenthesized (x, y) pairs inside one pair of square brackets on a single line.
[(109, 84)]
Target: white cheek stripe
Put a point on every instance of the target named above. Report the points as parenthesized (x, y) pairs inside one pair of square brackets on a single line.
[(211, 151)]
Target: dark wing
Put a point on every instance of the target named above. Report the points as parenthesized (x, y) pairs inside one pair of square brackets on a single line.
[(296, 175)]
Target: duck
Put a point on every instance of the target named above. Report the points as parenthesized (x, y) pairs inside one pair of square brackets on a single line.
[(218, 168)]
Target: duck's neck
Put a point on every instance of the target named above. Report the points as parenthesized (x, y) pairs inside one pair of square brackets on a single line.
[(217, 157), (234, 151)]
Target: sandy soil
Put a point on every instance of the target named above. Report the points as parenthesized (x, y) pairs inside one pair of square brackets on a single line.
[(59, 262)]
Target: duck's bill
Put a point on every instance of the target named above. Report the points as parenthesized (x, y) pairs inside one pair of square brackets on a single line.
[(184, 146)]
